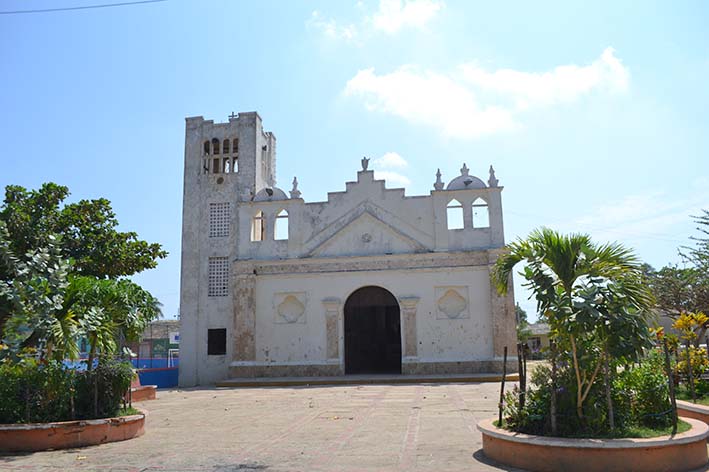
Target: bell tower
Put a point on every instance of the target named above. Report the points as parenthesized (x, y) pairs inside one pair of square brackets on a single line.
[(225, 163)]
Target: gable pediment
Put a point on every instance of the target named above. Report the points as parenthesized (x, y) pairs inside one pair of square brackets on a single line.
[(366, 235), (368, 230)]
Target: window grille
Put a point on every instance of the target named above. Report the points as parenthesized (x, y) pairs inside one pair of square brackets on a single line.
[(218, 273), (219, 218)]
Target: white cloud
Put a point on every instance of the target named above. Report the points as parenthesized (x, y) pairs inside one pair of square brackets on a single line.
[(387, 162), (634, 219), (393, 15), (390, 160), (562, 84), (392, 177), (472, 102), (331, 29), (390, 17)]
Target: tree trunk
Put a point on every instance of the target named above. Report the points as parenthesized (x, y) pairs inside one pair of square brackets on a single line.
[(579, 383), (690, 373), (609, 400), (95, 396), (92, 354), (552, 408), (670, 385)]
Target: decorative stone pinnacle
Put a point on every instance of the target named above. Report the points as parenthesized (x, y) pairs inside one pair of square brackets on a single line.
[(464, 170), (365, 163), (438, 185), (295, 193), (492, 181)]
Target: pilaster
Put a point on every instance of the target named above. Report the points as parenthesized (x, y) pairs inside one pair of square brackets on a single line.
[(408, 316), (502, 307), (244, 317), (332, 331)]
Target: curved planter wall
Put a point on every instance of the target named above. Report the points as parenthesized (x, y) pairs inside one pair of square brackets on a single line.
[(683, 452), (692, 410), (67, 434)]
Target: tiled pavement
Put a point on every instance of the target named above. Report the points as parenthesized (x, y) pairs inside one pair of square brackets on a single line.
[(342, 428)]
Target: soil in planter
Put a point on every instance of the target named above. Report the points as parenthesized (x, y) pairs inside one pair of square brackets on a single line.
[(634, 432)]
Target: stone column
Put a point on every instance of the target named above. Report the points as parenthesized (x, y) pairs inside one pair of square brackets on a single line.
[(332, 325), (408, 317), (244, 317), (504, 324)]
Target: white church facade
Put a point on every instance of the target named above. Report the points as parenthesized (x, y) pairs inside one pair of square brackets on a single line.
[(369, 281)]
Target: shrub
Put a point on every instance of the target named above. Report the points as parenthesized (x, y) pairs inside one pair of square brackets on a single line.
[(647, 391), (639, 395), (699, 362), (33, 392), (99, 392)]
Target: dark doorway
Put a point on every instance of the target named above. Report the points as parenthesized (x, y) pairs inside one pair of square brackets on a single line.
[(372, 332)]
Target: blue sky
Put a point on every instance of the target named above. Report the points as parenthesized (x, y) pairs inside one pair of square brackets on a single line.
[(594, 115)]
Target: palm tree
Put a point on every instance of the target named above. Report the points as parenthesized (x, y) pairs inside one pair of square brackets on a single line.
[(110, 312), (581, 289)]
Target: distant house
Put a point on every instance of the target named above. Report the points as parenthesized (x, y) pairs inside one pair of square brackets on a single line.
[(539, 337), (158, 339)]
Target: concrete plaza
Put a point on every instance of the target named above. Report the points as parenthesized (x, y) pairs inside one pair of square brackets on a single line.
[(340, 428), (418, 427)]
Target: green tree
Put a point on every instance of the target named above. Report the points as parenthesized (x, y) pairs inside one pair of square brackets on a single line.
[(87, 230), (47, 309), (32, 296), (592, 296), (109, 312), (680, 290), (699, 254), (523, 331)]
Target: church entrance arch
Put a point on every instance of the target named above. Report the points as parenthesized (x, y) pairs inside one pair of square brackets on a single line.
[(372, 332)]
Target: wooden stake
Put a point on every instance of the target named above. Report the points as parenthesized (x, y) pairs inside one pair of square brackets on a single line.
[(690, 373), (552, 407), (671, 384), (502, 388), (522, 375)]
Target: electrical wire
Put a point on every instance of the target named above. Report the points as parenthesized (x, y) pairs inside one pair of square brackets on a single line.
[(85, 7)]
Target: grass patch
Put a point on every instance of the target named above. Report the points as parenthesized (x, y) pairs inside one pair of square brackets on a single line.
[(683, 394), (128, 411), (643, 432), (633, 432)]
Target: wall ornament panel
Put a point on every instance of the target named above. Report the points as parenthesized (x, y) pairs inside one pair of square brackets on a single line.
[(289, 307), (452, 302)]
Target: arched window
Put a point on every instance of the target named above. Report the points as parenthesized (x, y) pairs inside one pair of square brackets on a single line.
[(215, 146), (206, 148), (235, 145), (281, 229), (258, 227), (227, 166), (454, 214), (225, 147), (235, 165), (481, 214)]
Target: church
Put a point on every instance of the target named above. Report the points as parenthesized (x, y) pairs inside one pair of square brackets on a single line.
[(370, 281)]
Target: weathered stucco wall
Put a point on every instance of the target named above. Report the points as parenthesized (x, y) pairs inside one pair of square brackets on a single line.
[(440, 338), (279, 299)]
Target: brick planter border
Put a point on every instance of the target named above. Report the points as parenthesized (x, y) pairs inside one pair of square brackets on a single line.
[(69, 434), (692, 410), (682, 452)]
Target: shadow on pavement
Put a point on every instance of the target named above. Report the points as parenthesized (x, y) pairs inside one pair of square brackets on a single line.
[(480, 456)]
